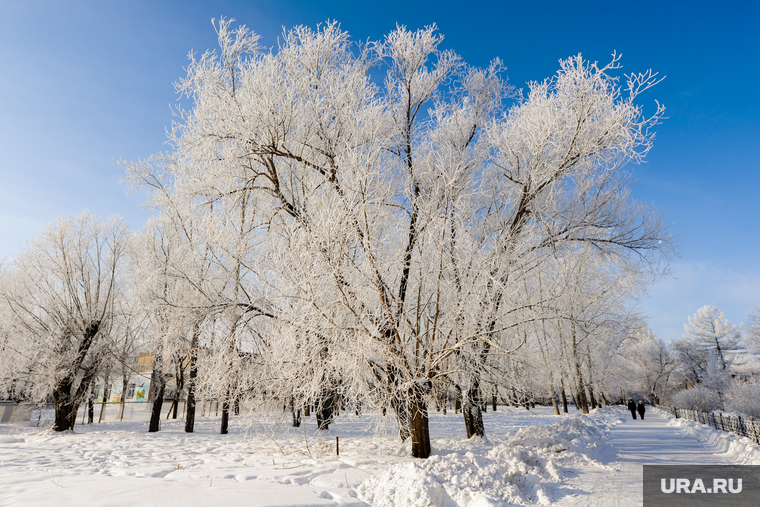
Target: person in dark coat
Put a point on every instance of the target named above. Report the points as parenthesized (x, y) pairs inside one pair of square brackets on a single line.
[(641, 410), (632, 408)]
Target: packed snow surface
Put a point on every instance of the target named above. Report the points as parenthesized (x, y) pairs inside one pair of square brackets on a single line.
[(528, 458)]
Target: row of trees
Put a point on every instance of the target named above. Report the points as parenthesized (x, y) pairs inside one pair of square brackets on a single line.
[(320, 234)]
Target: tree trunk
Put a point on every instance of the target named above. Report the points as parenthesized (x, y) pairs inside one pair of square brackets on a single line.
[(473, 417), (554, 401), (582, 393), (591, 397), (158, 385), (106, 394), (295, 412), (564, 397), (418, 418), (190, 405), (225, 414), (578, 374), (64, 405), (179, 381), (325, 408), (66, 401), (122, 398), (90, 408)]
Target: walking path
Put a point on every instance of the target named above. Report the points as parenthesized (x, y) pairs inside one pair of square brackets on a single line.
[(637, 443)]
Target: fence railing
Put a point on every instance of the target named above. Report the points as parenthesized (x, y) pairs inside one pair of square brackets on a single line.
[(742, 426), (110, 411)]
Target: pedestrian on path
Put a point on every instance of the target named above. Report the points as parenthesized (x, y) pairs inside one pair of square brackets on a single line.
[(632, 408), (641, 410)]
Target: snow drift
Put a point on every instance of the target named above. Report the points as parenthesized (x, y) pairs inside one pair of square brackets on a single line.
[(523, 470)]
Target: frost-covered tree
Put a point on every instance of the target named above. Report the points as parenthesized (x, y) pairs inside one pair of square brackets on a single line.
[(709, 339), (652, 363), (62, 294), (372, 240), (752, 336)]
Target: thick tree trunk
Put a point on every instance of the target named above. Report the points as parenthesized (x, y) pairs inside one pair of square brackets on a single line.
[(66, 401), (564, 397), (158, 384), (418, 418), (64, 406)]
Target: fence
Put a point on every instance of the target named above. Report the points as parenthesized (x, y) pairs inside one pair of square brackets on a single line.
[(743, 426), (13, 413)]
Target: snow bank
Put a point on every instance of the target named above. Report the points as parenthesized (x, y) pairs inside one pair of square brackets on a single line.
[(742, 450), (522, 470)]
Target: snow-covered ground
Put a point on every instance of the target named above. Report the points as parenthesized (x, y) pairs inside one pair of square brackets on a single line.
[(529, 458)]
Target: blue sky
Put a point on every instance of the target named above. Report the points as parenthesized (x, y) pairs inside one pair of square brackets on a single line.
[(83, 83)]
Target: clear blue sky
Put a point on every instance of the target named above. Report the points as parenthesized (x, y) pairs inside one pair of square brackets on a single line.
[(83, 83)]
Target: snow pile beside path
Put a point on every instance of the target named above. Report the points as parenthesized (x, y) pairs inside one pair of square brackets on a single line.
[(609, 416), (522, 470), (741, 449), (580, 434)]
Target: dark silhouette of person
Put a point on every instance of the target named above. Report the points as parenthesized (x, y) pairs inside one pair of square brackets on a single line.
[(641, 410), (632, 408)]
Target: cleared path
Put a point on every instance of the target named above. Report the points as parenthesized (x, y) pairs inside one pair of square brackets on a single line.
[(653, 442), (637, 443)]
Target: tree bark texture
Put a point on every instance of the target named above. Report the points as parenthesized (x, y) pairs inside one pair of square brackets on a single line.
[(225, 415), (325, 408), (419, 427), (473, 416), (66, 400), (190, 408), (159, 385)]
